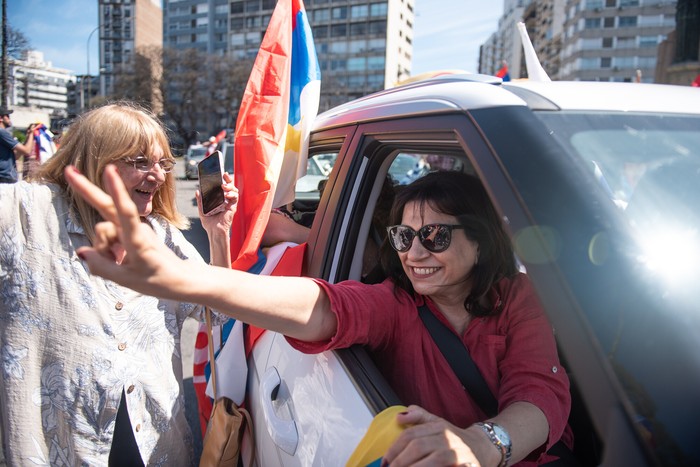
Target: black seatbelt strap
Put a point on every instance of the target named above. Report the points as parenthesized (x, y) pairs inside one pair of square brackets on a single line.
[(457, 355)]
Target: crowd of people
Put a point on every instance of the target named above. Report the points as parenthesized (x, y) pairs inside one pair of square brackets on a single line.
[(97, 280)]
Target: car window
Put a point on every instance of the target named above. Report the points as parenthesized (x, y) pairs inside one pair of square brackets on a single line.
[(318, 169)]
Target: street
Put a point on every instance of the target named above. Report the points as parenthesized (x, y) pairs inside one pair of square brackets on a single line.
[(187, 205)]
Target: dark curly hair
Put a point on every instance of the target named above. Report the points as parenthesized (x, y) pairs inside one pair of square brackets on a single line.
[(464, 197)]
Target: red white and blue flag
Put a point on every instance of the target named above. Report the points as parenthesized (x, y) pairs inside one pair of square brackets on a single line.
[(503, 72), (279, 106), (44, 147)]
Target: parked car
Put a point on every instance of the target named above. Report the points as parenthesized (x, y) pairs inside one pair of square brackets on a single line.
[(194, 154), (599, 186)]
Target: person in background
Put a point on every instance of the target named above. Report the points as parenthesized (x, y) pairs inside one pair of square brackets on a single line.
[(11, 149), (92, 372), (447, 249)]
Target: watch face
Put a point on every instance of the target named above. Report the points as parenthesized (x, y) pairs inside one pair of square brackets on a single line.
[(502, 435)]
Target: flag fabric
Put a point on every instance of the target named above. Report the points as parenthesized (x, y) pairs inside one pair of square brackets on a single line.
[(44, 148), (503, 73), (380, 435), (535, 72), (214, 141), (233, 339), (696, 82), (279, 105)]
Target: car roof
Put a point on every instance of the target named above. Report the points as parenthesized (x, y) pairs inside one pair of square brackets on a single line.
[(452, 93)]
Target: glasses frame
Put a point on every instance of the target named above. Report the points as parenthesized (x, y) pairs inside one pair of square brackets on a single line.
[(422, 238), (134, 161)]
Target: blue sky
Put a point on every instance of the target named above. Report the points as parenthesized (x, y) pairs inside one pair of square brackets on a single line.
[(447, 33)]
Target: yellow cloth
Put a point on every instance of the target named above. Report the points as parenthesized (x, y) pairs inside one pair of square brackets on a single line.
[(381, 434)]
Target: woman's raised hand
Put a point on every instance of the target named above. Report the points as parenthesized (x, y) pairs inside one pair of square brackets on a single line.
[(148, 266)]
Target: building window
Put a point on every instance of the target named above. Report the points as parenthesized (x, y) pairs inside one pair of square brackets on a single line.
[(626, 42), (607, 42), (339, 30), (357, 64), (609, 22), (375, 63), (357, 46), (237, 39), (627, 21), (377, 27), (320, 32), (625, 3), (252, 22), (339, 47), (624, 62), (605, 62), (648, 41), (359, 11), (322, 14), (221, 9), (378, 9), (252, 5), (592, 23), (646, 62), (237, 7), (358, 29), (340, 12), (236, 23), (338, 65), (594, 4)]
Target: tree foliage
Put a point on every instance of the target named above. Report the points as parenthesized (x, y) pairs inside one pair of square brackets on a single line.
[(17, 43), (197, 94)]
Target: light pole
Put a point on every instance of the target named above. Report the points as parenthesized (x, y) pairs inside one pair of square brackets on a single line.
[(89, 86)]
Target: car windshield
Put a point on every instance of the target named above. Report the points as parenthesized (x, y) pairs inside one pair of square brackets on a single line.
[(639, 176)]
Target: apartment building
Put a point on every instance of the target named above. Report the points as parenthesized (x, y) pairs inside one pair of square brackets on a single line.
[(362, 45), (124, 27), (588, 40), (36, 84), (614, 40)]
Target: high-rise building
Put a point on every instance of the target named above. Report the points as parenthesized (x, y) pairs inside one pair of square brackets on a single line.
[(362, 46), (125, 26), (614, 40), (35, 83), (504, 45), (588, 40)]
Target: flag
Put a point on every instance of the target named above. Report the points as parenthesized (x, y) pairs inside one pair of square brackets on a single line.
[(278, 107), (535, 72), (503, 72), (214, 141), (696, 82), (380, 435), (44, 148)]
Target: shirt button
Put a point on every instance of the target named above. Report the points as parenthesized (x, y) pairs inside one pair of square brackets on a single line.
[(119, 305), (121, 346), (554, 369), (138, 427), (130, 389)]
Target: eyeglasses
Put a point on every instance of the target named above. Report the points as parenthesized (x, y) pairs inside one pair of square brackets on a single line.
[(143, 164), (434, 237)]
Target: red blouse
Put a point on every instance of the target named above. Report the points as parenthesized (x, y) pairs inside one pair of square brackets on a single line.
[(515, 352)]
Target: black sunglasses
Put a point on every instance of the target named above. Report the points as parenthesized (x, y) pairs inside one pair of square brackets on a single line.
[(434, 237)]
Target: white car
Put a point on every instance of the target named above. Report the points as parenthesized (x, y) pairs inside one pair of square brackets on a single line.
[(195, 153), (599, 184)]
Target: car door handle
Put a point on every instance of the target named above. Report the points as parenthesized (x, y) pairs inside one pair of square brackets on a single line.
[(283, 432)]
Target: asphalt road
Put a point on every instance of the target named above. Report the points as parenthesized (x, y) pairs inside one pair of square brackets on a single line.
[(187, 205)]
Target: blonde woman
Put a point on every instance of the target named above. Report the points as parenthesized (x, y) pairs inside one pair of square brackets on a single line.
[(92, 372)]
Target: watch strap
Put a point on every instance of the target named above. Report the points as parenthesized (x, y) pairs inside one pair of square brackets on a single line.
[(504, 448)]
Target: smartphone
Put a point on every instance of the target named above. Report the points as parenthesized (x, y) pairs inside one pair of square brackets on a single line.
[(211, 177)]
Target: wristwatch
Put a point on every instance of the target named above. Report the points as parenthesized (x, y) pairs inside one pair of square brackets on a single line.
[(500, 438)]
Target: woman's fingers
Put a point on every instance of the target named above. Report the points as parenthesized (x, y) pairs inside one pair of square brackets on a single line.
[(128, 216)]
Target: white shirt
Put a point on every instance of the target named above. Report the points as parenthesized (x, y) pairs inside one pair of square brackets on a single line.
[(70, 342)]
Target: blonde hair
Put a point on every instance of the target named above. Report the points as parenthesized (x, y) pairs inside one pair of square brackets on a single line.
[(103, 136)]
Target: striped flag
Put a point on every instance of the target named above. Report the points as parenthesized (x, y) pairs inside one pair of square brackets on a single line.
[(278, 107)]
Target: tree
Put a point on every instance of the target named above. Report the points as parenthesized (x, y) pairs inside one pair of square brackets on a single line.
[(196, 94), (17, 43)]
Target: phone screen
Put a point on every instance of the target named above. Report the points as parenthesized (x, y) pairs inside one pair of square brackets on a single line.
[(210, 180)]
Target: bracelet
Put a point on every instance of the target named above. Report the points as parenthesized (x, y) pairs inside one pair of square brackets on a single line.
[(499, 437)]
